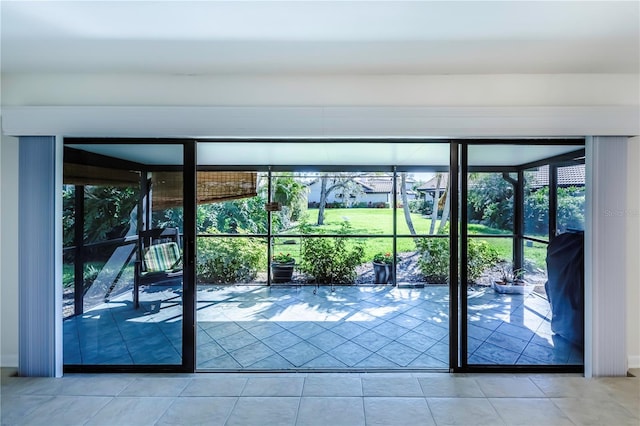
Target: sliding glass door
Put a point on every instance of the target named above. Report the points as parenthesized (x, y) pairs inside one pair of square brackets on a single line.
[(523, 281), (124, 256), (456, 255)]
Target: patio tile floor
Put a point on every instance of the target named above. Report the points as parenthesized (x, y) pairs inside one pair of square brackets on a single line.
[(290, 327)]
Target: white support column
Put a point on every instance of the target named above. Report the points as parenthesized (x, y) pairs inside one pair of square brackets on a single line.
[(40, 257), (605, 257)]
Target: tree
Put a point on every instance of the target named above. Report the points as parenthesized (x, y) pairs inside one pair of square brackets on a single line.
[(490, 200), (405, 203), (290, 193), (446, 208), (328, 184), (434, 208)]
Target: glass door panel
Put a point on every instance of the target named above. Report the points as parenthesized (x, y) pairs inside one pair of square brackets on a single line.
[(123, 281), (510, 199)]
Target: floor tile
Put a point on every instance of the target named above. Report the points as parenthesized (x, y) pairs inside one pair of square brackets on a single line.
[(236, 341), (496, 354), (505, 387), (399, 353), (215, 386), (573, 387), (281, 341), (452, 387), (324, 361), (301, 353), (332, 385), (272, 362), (323, 411), (161, 386), (326, 340), (222, 362), (463, 411), (261, 411), (508, 342), (15, 408), (275, 320), (416, 341), (131, 410), (66, 410), (198, 411), (371, 340), (391, 386), (397, 411), (377, 361), (348, 330), (595, 412), (349, 353), (529, 411), (249, 355), (273, 386)]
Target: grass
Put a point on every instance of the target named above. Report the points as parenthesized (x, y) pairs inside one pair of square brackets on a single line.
[(380, 222)]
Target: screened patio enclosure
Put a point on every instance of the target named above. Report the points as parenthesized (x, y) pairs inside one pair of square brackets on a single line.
[(315, 255)]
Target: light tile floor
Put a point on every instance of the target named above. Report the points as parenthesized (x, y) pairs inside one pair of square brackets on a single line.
[(329, 399), (348, 327)]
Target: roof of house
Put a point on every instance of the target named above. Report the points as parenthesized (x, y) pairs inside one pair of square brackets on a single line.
[(431, 184), (567, 176), (380, 185)]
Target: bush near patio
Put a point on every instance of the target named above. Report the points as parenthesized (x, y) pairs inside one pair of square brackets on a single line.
[(229, 260), (331, 260), (434, 259)]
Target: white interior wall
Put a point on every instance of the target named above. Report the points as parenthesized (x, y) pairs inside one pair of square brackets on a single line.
[(633, 253), (321, 90), (9, 250)]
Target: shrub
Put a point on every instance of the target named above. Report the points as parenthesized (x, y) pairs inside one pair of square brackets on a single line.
[(434, 259), (422, 207), (330, 259), (229, 260), (480, 256)]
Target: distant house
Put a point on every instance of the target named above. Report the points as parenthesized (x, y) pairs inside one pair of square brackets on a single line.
[(427, 190), (567, 176), (374, 191)]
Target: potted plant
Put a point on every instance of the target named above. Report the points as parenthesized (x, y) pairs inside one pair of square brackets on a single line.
[(383, 268), (511, 281), (282, 267)]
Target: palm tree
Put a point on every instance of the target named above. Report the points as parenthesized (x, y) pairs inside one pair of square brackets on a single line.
[(405, 202), (434, 208)]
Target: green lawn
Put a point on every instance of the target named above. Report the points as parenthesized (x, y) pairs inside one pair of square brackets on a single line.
[(380, 222)]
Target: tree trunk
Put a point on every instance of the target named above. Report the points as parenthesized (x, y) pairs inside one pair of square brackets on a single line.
[(446, 208), (434, 207), (405, 203), (323, 199)]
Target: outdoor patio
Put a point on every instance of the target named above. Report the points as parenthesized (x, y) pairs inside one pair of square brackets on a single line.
[(290, 327)]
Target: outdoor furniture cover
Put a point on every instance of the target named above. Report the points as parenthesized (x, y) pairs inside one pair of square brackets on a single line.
[(565, 286)]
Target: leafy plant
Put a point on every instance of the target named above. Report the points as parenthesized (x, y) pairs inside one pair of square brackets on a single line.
[(330, 259), (229, 260), (509, 274), (283, 258), (383, 258), (434, 259), (480, 256)]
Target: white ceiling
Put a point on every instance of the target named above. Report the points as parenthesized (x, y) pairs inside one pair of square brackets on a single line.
[(416, 37), (352, 154)]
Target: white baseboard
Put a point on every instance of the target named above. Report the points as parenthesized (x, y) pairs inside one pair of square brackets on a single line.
[(634, 361)]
